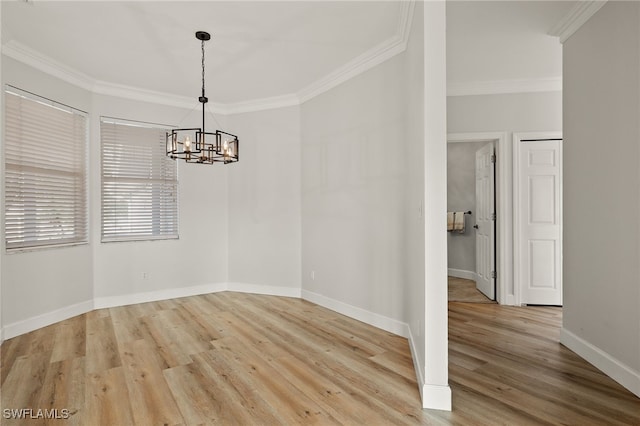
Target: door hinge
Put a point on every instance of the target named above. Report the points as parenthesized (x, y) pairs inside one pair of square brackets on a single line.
[(493, 274), (493, 158), (493, 216)]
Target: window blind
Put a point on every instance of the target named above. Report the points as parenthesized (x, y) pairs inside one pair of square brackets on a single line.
[(139, 182), (45, 172)]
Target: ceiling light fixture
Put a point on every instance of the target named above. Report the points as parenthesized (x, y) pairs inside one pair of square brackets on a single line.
[(197, 145)]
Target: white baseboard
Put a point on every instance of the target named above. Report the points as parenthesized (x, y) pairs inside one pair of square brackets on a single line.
[(31, 324), (436, 397), (416, 362), (380, 321), (609, 365), (25, 326), (154, 296), (265, 289), (461, 273)]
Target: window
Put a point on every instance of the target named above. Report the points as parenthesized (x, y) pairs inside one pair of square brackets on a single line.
[(139, 182), (45, 172)]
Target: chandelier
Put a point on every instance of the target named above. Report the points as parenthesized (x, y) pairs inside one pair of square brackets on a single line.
[(196, 145)]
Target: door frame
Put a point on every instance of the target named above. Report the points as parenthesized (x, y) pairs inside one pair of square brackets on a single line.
[(504, 191), (516, 141)]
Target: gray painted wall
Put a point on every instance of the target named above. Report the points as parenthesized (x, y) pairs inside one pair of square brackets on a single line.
[(514, 112), (461, 196), (602, 187)]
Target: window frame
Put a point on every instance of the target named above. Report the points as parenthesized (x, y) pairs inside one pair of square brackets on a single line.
[(81, 215), (114, 237)]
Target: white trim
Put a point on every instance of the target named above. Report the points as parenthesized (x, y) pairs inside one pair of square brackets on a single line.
[(517, 137), (436, 397), (416, 364), (576, 18), (504, 237), (262, 104), (609, 365), (380, 321), (265, 289), (461, 273), (37, 60), (550, 84), (154, 296), (30, 324), (151, 96), (369, 59), (34, 323), (357, 66)]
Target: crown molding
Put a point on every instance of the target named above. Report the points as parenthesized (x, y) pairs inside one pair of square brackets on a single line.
[(576, 18), (552, 84), (262, 104), (37, 60), (369, 59), (375, 56), (151, 96)]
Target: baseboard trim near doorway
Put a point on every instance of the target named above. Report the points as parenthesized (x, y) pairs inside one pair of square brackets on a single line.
[(461, 273), (609, 365)]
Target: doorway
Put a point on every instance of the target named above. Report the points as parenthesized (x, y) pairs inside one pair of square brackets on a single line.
[(504, 291)]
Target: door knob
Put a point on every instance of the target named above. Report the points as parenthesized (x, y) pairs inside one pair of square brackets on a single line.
[(475, 226)]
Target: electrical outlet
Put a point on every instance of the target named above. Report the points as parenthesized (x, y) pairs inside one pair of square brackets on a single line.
[(145, 275), (313, 275)]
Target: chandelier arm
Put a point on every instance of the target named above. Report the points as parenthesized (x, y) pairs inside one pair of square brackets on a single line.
[(210, 147)]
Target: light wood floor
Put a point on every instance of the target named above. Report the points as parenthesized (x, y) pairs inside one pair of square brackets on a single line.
[(231, 358), (462, 290)]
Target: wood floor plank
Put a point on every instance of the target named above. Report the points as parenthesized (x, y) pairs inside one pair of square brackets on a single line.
[(69, 340), (23, 385), (107, 399), (63, 389), (235, 398), (293, 406), (102, 348), (245, 359), (127, 324), (168, 339), (151, 399)]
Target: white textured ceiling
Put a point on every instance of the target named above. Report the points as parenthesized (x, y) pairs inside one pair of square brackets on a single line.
[(258, 49), (503, 40)]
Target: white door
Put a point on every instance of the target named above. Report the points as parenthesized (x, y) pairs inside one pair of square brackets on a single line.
[(485, 221), (539, 219)]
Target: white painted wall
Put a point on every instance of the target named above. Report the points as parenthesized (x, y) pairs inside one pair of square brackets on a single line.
[(601, 316), (264, 201), (199, 257), (461, 196), (353, 169), (40, 281)]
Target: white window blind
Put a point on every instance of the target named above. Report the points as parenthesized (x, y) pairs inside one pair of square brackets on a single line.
[(139, 183), (45, 172)]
